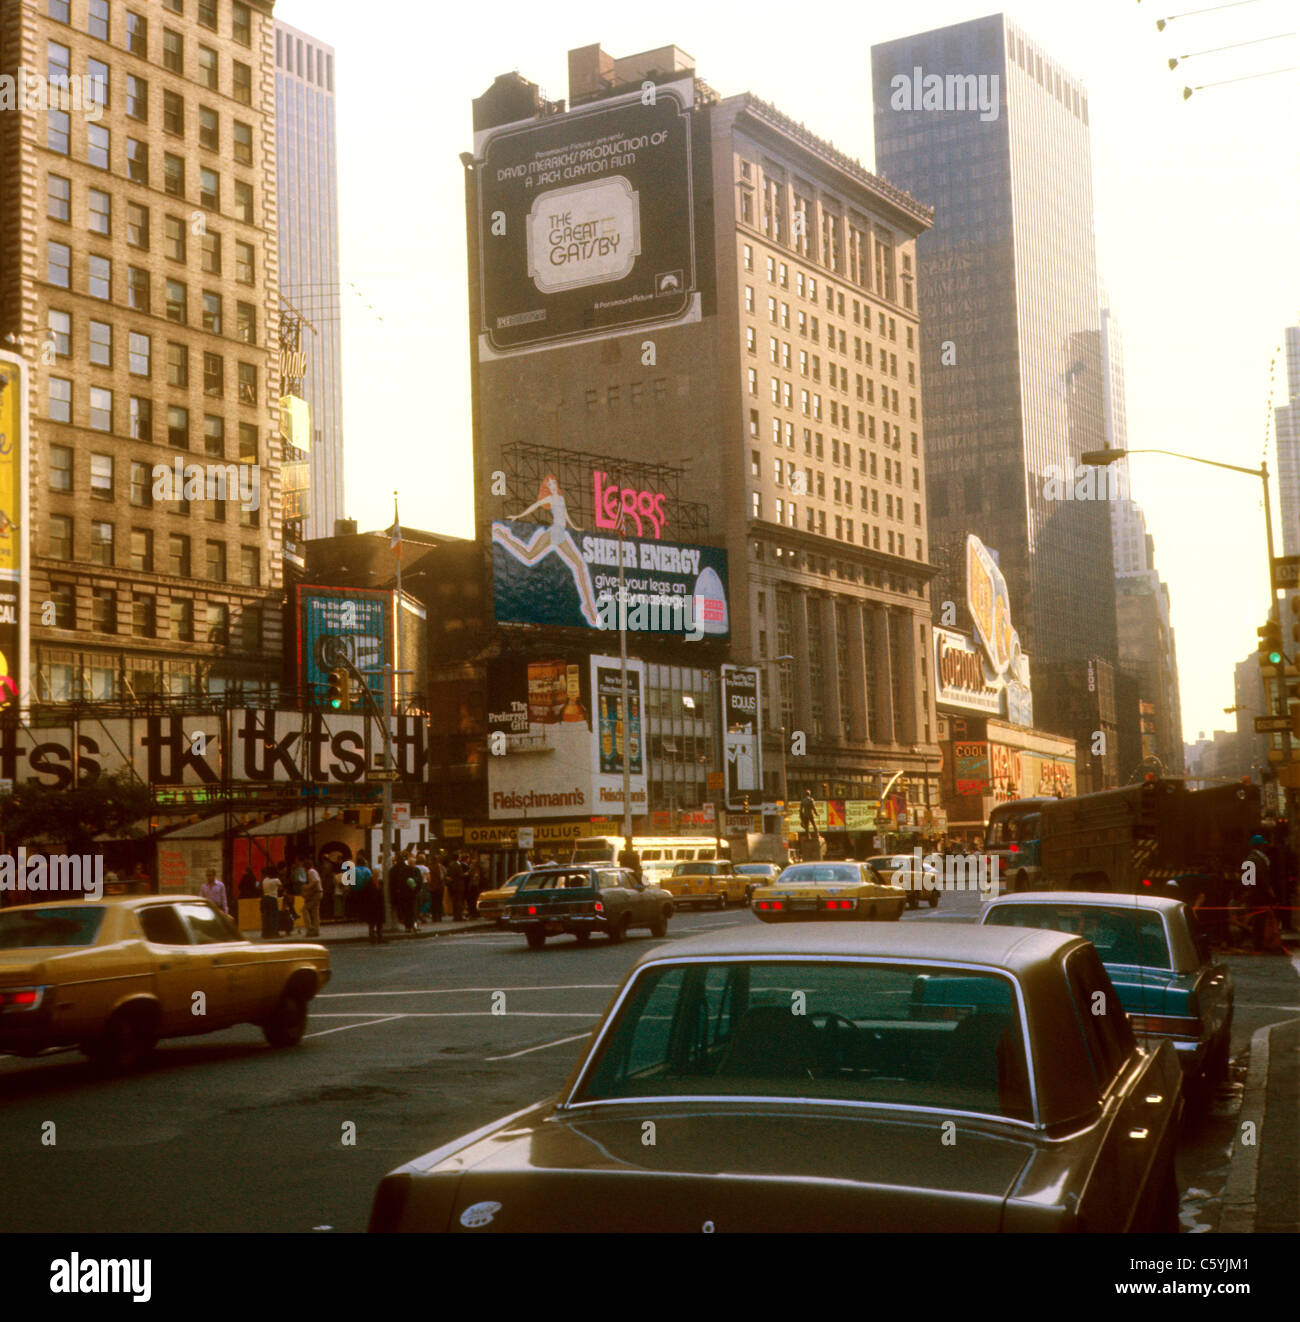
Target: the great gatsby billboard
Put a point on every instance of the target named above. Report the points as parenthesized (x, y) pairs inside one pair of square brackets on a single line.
[(586, 221)]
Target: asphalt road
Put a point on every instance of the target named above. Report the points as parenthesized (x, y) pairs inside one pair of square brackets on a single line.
[(412, 1044)]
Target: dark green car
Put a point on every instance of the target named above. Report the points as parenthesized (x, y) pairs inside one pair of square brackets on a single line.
[(876, 1078)]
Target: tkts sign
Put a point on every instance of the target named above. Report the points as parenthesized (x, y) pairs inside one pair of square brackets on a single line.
[(252, 745)]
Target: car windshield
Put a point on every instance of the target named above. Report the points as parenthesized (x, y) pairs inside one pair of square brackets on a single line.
[(77, 925), (695, 870), (756, 869), (894, 1035), (808, 874), (1122, 935)]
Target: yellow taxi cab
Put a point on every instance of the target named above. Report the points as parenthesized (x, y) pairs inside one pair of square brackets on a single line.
[(492, 904), (711, 883), (836, 891)]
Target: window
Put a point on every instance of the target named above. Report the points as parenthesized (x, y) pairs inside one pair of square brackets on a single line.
[(173, 113), (141, 486), (250, 570), (59, 11), (137, 168), (748, 251), (210, 189), (99, 212), (214, 436), (248, 383), (212, 312), (58, 131), (243, 139), (142, 616), (178, 555), (241, 23), (177, 298), (213, 375), (174, 231), (60, 537), (141, 419), (97, 24), (137, 288), (752, 378), (242, 85), (244, 263), (218, 623), (100, 278), (754, 468), (756, 505), (247, 443), (173, 175), (97, 74), (209, 129), (751, 340), (58, 198), (101, 543), (60, 333), (178, 365), (208, 68), (60, 468), (142, 549), (63, 597), (103, 616), (140, 351), (101, 409), (749, 298), (244, 202), (208, 14), (58, 60), (183, 619), (138, 98), (101, 344), (137, 34), (97, 146), (173, 51), (217, 562), (178, 427)]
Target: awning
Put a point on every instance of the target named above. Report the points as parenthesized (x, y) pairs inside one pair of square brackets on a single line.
[(290, 823)]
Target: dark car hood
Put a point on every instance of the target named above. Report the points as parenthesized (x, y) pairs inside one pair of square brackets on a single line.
[(756, 1169)]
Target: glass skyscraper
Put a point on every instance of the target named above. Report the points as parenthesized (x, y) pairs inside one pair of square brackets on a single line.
[(1011, 358), (309, 253)]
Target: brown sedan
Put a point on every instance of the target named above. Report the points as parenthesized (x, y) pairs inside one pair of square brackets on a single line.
[(873, 1078)]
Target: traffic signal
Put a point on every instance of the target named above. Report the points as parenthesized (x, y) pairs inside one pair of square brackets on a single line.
[(1270, 644), (339, 696)]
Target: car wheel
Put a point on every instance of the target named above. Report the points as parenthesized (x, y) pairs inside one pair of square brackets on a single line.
[(913, 900), (1216, 1064), (124, 1043), (582, 937), (934, 899), (536, 937), (287, 1024), (617, 929), (659, 927)]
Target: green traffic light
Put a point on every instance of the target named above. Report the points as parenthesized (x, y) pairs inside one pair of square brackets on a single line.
[(1275, 658), (336, 703)]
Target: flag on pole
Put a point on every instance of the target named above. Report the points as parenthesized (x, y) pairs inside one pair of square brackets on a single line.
[(395, 536)]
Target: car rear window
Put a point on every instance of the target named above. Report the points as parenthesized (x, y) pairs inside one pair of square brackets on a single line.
[(77, 925), (1122, 934), (909, 1036), (547, 881), (813, 873)]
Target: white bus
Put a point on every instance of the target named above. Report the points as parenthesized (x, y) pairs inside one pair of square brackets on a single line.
[(658, 853)]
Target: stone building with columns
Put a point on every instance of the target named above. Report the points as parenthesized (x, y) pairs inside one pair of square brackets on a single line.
[(779, 398)]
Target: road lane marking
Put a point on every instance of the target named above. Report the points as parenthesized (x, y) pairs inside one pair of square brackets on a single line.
[(455, 991), (471, 1014), (344, 1028), (577, 1037)]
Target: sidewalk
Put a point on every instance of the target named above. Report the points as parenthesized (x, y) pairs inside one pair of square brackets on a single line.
[(347, 933)]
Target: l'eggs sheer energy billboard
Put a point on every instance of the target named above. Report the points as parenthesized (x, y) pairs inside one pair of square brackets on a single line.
[(586, 222)]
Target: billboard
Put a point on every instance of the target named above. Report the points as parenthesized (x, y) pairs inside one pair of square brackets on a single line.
[(586, 222), (741, 704), (989, 602), (539, 738), (960, 676), (14, 625), (342, 624), (619, 735), (546, 574)]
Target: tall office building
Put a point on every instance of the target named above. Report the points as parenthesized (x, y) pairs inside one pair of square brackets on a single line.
[(759, 369), (1112, 377), (137, 276), (979, 122), (1286, 418), (307, 176)]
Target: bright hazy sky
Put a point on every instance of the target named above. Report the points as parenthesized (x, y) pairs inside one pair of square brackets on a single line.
[(1196, 206)]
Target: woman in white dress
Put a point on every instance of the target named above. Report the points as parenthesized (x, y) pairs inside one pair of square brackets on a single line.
[(555, 538)]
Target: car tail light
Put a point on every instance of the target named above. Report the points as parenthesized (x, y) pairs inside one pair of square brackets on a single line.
[(532, 909), (1163, 1023), (1014, 849), (21, 998), (1146, 881), (771, 904), (390, 1202), (600, 908), (839, 904)]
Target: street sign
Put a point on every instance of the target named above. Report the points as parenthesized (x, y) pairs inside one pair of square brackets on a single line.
[(525, 837), (1286, 571), (401, 815), (6, 787), (383, 773), (1272, 724)]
